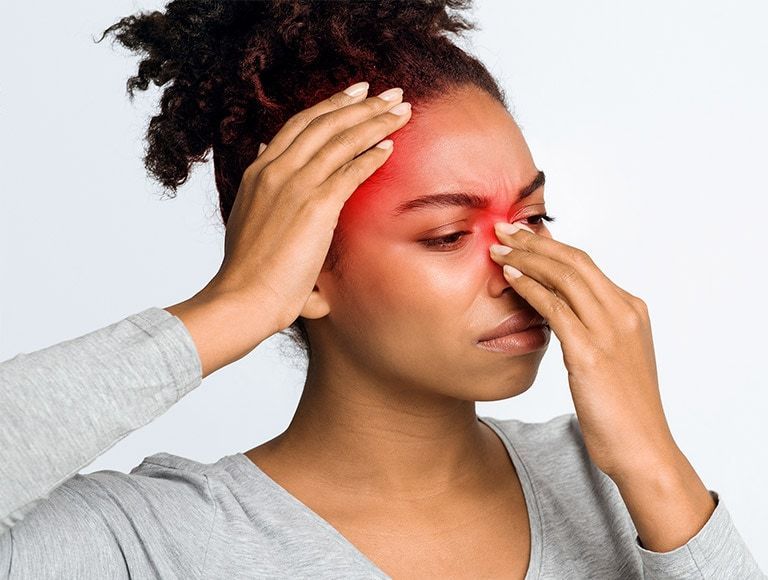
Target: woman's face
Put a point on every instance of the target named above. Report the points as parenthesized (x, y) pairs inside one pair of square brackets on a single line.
[(408, 311)]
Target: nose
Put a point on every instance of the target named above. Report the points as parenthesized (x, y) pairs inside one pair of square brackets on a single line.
[(500, 285)]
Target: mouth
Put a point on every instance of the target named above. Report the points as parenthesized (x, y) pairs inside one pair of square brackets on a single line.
[(517, 322)]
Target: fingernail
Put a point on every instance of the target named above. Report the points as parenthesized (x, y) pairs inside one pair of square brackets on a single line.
[(357, 89), (401, 109), (391, 94), (262, 146), (511, 271), (506, 228), (500, 250)]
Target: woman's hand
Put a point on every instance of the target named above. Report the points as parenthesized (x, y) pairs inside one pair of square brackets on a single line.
[(605, 333), (283, 218), (282, 222)]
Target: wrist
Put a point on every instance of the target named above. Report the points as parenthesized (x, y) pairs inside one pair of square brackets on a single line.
[(225, 326), (666, 465)]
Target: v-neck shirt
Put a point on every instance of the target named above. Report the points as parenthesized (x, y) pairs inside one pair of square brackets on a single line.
[(250, 471), (174, 517)]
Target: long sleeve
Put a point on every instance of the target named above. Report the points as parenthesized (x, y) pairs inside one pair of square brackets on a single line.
[(716, 551), (64, 405), (580, 524)]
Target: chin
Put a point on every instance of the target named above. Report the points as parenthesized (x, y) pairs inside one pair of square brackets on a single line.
[(504, 381), (500, 392), (496, 388)]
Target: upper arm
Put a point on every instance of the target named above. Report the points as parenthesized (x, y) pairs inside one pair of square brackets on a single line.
[(110, 524), (62, 537)]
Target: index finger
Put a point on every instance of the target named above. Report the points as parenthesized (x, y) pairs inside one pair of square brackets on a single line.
[(603, 287)]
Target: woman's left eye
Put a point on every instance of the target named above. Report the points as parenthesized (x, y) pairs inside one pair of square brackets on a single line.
[(455, 239)]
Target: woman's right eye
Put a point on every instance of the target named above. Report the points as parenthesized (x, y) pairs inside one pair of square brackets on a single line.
[(448, 242)]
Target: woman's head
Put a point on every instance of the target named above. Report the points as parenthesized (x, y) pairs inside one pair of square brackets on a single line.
[(239, 70), (417, 288)]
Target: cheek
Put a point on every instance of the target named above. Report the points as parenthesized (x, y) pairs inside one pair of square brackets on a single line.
[(392, 286), (393, 273), (401, 271)]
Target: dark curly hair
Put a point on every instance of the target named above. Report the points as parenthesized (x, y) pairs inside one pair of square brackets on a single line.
[(237, 70)]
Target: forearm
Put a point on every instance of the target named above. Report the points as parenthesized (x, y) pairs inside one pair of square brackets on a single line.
[(668, 503), (64, 405), (225, 326)]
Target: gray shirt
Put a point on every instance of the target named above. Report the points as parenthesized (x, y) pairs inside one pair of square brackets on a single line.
[(173, 517)]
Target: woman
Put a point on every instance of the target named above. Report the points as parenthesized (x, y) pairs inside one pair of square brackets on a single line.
[(363, 230)]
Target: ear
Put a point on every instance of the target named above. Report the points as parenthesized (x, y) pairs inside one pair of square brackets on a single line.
[(317, 305)]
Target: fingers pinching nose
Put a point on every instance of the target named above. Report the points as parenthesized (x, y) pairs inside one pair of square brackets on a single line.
[(506, 228), (509, 228), (500, 250)]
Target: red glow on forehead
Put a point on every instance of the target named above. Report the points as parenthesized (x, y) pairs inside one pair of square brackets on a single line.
[(471, 148), (386, 180)]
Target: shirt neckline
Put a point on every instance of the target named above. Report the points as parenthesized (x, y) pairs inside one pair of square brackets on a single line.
[(250, 469)]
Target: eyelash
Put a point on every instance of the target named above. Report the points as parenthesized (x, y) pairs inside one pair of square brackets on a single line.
[(441, 242)]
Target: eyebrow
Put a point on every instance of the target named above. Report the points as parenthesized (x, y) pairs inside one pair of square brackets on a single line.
[(466, 199)]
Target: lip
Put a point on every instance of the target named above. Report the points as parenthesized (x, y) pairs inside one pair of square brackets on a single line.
[(519, 321)]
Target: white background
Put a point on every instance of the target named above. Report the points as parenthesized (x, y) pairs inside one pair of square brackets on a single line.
[(649, 120)]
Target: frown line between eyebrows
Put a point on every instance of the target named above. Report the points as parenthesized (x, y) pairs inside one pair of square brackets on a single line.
[(465, 199)]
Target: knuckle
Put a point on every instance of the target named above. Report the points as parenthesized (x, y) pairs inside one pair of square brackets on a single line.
[(555, 307), (299, 121), (632, 319), (321, 122), (580, 257), (375, 106), (568, 276), (353, 171), (251, 172), (344, 140), (642, 309), (269, 176)]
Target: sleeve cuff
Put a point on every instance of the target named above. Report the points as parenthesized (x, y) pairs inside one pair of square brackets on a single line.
[(716, 551), (175, 344)]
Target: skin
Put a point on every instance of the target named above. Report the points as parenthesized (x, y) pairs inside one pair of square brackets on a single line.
[(386, 422), (421, 340), (386, 425), (395, 370)]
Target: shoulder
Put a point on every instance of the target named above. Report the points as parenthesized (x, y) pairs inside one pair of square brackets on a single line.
[(158, 477), (579, 506), (555, 460), (157, 517), (164, 492), (557, 439)]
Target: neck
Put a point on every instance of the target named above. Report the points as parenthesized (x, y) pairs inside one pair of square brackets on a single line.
[(386, 442)]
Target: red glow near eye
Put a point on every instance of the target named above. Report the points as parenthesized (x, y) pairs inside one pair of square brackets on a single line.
[(366, 204)]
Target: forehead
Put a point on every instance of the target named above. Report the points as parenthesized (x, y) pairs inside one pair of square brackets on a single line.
[(466, 140)]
